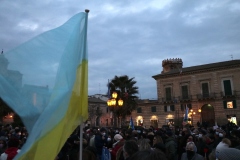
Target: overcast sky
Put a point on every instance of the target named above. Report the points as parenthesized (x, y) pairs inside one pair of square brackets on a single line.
[(132, 37)]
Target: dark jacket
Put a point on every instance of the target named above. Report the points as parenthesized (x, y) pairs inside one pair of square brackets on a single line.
[(100, 142), (171, 148), (195, 157)]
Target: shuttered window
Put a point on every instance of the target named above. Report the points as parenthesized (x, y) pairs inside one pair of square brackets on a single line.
[(185, 92), (227, 87), (139, 110), (169, 108), (205, 90), (168, 93), (153, 109)]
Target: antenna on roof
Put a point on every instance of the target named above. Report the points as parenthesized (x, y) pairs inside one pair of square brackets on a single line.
[(231, 56)]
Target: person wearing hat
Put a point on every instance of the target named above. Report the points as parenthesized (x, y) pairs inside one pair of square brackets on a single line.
[(190, 153), (170, 146), (117, 145)]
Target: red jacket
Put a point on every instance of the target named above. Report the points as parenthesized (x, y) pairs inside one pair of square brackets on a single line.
[(116, 148)]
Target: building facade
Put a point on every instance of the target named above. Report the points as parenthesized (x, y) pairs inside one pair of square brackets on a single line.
[(210, 92)]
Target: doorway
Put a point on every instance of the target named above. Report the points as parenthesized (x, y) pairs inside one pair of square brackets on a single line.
[(208, 115)]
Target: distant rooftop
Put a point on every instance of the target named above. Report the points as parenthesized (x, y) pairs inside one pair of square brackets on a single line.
[(200, 68)]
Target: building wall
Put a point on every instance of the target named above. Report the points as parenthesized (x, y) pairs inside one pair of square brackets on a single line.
[(193, 80)]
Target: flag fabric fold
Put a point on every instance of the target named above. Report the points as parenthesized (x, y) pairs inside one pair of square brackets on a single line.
[(131, 124), (45, 81)]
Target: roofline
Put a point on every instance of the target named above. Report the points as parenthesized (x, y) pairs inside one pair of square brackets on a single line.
[(204, 68)]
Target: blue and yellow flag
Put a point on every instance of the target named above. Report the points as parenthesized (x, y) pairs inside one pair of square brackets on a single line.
[(45, 81), (185, 119), (131, 124)]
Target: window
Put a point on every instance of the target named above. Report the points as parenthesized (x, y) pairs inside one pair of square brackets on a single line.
[(227, 87), (185, 92), (205, 90), (153, 109), (169, 108), (168, 93), (139, 110), (229, 104)]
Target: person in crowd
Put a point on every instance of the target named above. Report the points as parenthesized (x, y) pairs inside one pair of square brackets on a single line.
[(12, 149), (109, 141), (128, 134), (129, 148), (170, 146), (100, 141), (223, 152), (144, 144), (190, 153), (150, 136), (149, 155), (3, 144), (92, 138), (117, 145), (157, 139)]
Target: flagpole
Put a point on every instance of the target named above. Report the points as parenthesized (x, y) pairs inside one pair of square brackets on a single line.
[(81, 119)]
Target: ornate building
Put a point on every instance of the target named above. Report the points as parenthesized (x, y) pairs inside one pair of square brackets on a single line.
[(210, 91)]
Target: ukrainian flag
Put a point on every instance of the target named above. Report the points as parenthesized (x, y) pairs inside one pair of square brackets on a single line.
[(45, 81), (131, 124)]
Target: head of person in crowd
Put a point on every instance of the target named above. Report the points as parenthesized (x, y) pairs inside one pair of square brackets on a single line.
[(118, 137), (143, 144), (185, 131), (168, 134), (209, 139), (191, 149), (225, 143), (13, 142), (129, 148), (149, 154), (160, 146), (103, 131), (157, 139), (128, 133), (190, 138)]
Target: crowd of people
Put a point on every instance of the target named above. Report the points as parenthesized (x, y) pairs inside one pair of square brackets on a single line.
[(166, 143)]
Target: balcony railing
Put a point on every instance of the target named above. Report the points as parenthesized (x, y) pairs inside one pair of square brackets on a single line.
[(185, 98), (168, 99), (206, 96), (209, 96), (234, 94)]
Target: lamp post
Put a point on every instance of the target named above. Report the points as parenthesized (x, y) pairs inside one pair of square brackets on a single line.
[(114, 103), (192, 113), (199, 111)]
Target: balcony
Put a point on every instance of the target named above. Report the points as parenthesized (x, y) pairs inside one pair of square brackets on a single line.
[(230, 95), (169, 99), (185, 98), (207, 96)]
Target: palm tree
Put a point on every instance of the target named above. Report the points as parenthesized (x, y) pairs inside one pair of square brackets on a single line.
[(126, 89)]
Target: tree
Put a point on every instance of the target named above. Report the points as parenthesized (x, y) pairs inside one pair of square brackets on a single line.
[(126, 89)]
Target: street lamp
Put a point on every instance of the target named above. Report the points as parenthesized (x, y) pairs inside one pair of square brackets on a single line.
[(114, 102), (192, 113)]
